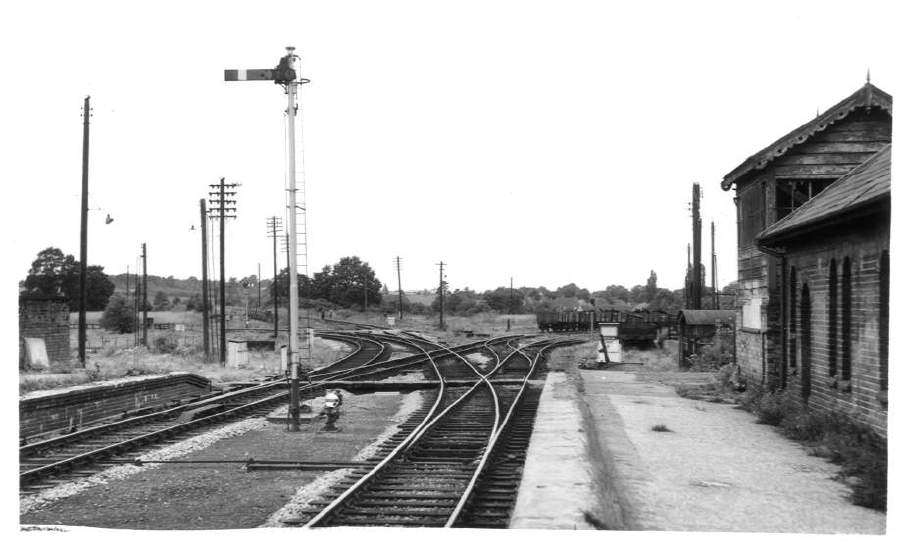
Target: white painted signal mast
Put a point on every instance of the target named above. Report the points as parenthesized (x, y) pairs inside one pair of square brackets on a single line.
[(287, 74)]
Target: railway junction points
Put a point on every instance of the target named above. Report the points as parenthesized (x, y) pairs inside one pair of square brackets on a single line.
[(503, 432)]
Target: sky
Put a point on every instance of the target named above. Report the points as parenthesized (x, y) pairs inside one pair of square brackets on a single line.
[(551, 142)]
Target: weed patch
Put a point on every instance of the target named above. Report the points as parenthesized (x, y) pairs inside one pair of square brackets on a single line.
[(860, 452), (660, 428)]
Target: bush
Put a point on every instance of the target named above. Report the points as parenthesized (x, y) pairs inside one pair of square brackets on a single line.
[(773, 408), (166, 344), (712, 357), (118, 316)]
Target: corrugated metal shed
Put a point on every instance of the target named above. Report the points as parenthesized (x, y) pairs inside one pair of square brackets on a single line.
[(868, 183), (705, 317)]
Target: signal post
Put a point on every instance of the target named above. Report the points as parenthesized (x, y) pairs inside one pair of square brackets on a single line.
[(285, 74)]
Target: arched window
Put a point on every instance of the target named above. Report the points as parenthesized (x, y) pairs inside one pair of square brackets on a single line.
[(832, 318), (884, 303), (792, 322), (846, 316), (805, 344)]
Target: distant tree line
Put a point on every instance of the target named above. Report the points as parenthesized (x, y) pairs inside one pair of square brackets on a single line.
[(570, 297)]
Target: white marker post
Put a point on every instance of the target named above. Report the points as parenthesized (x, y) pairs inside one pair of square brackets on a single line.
[(286, 74)]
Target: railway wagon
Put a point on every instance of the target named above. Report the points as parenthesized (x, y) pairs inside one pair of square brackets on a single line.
[(634, 327)]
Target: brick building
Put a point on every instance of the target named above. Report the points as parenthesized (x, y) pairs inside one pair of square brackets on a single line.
[(46, 318), (779, 183), (836, 251)]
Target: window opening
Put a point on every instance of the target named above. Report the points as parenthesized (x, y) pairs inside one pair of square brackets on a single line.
[(805, 344), (790, 194), (846, 304), (792, 336), (832, 318), (884, 286)]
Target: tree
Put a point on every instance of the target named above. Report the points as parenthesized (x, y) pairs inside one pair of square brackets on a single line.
[(54, 273), (194, 303), (500, 300), (348, 282), (651, 286), (160, 301), (352, 280), (118, 316)]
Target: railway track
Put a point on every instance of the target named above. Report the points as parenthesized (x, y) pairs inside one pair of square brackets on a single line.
[(44, 463), (454, 464), (76, 454)]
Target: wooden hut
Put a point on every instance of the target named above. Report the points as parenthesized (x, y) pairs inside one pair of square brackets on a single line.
[(698, 328)]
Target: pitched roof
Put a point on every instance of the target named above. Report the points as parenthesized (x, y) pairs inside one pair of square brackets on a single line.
[(705, 317), (866, 97), (867, 183)]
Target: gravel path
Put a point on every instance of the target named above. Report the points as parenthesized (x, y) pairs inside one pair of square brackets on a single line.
[(182, 496), (716, 469), (318, 487), (63, 490)]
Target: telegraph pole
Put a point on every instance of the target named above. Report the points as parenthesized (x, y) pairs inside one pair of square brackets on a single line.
[(286, 74), (698, 279), (714, 268), (226, 209), (509, 310), (258, 286), (144, 295), (127, 281), (205, 286), (365, 291), (82, 325), (441, 293), (135, 316), (273, 224), (399, 288)]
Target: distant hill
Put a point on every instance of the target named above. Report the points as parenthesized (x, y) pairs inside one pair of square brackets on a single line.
[(173, 287)]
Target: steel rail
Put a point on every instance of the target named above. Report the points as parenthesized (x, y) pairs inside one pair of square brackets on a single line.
[(427, 423), (462, 398), (324, 513), (29, 449), (32, 474), (485, 457), (408, 361)]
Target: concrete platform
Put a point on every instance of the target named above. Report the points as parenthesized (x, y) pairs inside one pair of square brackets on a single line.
[(596, 462)]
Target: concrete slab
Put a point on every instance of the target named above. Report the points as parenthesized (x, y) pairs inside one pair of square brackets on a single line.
[(717, 469), (556, 481), (595, 462)]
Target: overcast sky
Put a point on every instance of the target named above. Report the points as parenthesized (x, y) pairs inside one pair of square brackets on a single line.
[(553, 142)]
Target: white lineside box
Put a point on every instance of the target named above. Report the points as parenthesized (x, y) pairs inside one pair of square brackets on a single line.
[(238, 356), (610, 333)]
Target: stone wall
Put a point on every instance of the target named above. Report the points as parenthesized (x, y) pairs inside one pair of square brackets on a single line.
[(46, 318)]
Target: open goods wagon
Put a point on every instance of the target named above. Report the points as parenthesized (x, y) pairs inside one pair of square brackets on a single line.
[(634, 327)]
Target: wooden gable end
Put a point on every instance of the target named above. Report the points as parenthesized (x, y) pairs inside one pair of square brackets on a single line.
[(837, 150)]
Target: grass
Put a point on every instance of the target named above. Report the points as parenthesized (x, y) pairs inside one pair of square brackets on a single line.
[(654, 360), (860, 452), (492, 324), (660, 428), (115, 363)]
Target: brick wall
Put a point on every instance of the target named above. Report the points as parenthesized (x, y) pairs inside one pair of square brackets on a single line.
[(79, 406), (860, 398), (46, 318)]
